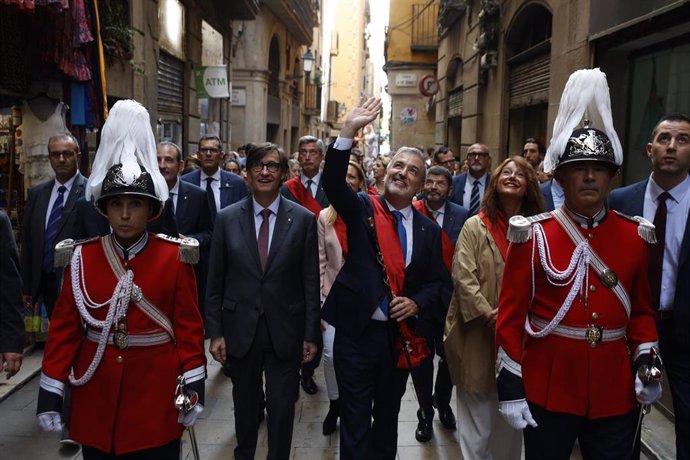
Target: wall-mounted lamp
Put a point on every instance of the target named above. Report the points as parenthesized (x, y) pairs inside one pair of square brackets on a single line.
[(308, 59)]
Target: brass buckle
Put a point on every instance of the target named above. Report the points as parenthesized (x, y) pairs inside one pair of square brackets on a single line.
[(594, 335)]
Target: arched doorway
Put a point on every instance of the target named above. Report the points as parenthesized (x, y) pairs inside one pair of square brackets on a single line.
[(273, 93), (528, 52)]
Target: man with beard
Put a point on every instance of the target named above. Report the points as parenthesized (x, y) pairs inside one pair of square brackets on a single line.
[(469, 187), (450, 217), (383, 231)]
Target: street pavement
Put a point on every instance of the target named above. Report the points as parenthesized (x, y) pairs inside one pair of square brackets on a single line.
[(21, 438)]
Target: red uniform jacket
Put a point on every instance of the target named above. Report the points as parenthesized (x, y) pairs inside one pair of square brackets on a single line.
[(563, 374), (128, 404)]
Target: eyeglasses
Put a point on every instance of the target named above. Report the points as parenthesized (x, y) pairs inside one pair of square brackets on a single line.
[(271, 166), (477, 155), (65, 153), (447, 162), (209, 151)]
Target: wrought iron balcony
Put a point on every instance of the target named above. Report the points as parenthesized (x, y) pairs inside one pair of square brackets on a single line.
[(424, 26)]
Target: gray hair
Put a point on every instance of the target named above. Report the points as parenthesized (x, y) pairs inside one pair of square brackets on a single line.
[(177, 148), (309, 140), (414, 151), (65, 136)]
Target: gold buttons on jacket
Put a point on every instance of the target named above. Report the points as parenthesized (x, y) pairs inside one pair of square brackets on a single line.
[(592, 288), (590, 235), (119, 360), (595, 315)]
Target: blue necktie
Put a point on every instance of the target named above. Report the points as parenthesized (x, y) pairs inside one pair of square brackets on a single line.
[(402, 235), (51, 231)]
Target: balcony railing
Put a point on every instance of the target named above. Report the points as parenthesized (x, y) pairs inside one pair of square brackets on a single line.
[(312, 99), (424, 26)]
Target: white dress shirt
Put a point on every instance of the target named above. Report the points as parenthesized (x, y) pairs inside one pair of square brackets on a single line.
[(439, 214), (677, 209), (316, 180)]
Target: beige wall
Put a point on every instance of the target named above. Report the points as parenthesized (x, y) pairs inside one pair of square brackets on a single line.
[(485, 116), (400, 33)]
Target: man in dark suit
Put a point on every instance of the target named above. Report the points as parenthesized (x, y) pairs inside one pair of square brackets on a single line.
[(190, 207), (49, 219), (358, 305), (223, 188), (262, 309), (664, 199), (554, 196), (307, 190), (451, 218), (469, 187), (11, 310)]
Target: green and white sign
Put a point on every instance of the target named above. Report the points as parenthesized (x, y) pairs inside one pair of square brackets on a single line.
[(212, 81)]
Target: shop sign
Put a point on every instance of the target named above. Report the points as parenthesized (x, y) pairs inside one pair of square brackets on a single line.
[(239, 97), (212, 81), (403, 80)]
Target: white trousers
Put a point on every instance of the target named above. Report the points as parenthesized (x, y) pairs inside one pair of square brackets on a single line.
[(327, 357), (484, 434)]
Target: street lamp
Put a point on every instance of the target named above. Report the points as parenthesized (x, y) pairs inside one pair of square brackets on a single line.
[(308, 59)]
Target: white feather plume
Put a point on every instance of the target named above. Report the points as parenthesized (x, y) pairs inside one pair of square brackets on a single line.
[(586, 96), (126, 138)]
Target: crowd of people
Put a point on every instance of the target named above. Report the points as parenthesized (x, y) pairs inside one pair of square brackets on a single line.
[(549, 308)]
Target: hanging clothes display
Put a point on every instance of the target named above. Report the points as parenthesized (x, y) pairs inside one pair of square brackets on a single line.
[(36, 131)]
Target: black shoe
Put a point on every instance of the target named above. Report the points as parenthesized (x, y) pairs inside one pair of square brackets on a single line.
[(331, 421), (424, 428), (445, 415), (308, 384)]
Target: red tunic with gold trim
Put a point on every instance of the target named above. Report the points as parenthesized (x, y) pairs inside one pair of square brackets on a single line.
[(566, 374), (128, 403)]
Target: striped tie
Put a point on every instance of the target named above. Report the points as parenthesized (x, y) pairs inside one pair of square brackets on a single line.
[(474, 198), (51, 231)]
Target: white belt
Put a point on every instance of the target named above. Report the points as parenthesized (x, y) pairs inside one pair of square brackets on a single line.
[(592, 334), (133, 340)]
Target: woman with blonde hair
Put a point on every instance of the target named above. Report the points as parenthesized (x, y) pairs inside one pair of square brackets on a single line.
[(378, 169), (469, 332), (332, 236)]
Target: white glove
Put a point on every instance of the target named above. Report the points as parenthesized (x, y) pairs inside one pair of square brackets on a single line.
[(647, 394), (189, 419), (50, 421), (516, 413)]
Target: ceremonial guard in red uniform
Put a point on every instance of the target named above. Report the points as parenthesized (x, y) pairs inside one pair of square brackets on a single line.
[(574, 317), (126, 324)]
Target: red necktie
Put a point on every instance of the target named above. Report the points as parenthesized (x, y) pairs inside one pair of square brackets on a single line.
[(263, 238), (656, 251)]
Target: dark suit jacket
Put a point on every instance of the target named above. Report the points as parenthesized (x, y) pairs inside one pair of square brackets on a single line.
[(192, 215), (34, 224), (232, 187), (287, 292), (630, 200), (459, 182), (453, 220), (548, 195), (11, 305), (93, 223), (358, 289), (320, 197)]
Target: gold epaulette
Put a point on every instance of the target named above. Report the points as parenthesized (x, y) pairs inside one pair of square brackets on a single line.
[(65, 248), (645, 229), (189, 247), (520, 227)]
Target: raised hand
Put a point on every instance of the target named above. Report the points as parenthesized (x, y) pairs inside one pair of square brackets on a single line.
[(360, 116)]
